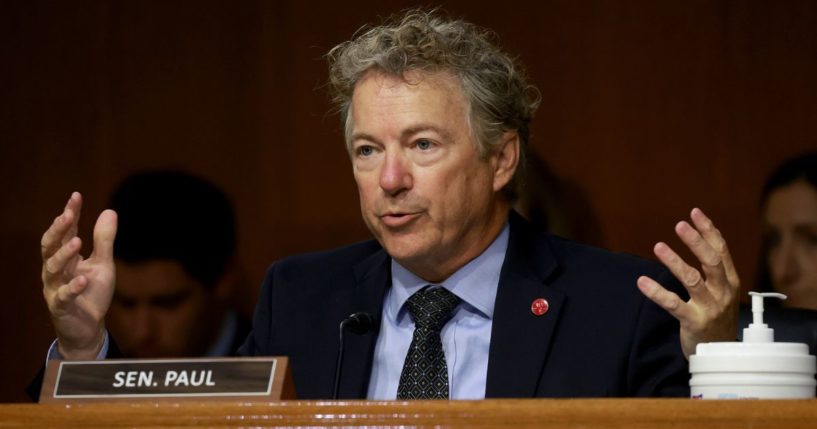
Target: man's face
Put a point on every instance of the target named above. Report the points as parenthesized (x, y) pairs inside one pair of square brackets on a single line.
[(425, 193), (790, 215), (159, 310)]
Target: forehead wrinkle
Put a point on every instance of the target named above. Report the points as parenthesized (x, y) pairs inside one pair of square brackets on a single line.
[(390, 87)]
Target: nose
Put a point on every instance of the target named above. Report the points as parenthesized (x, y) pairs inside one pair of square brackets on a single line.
[(784, 265), (395, 175)]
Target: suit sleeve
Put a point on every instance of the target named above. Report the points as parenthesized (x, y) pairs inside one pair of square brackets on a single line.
[(34, 387), (258, 340), (658, 366)]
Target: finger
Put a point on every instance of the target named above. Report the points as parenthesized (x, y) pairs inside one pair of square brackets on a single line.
[(665, 299), (713, 236), (687, 275), (56, 234), (707, 229), (62, 229), (709, 258), (52, 239), (54, 267), (66, 294), (104, 235), (74, 205), (696, 243)]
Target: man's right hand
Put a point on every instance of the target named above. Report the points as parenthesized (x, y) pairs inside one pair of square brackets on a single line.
[(78, 291)]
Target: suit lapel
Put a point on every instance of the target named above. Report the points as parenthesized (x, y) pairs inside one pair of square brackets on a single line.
[(520, 340), (373, 277)]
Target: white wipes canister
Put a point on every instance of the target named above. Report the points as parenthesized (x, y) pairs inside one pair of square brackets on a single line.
[(757, 368)]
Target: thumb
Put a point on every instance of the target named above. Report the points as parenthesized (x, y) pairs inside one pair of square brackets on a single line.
[(104, 235)]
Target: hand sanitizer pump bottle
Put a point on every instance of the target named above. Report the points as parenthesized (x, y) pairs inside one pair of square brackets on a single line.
[(757, 368)]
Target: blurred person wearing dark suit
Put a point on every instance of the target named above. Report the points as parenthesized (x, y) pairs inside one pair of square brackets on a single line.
[(175, 266)]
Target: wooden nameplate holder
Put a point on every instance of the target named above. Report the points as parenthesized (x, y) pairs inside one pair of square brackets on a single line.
[(249, 378)]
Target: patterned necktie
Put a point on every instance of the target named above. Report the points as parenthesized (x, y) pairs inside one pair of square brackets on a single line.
[(425, 374)]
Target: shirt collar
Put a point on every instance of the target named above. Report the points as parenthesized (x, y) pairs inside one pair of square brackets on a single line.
[(475, 283)]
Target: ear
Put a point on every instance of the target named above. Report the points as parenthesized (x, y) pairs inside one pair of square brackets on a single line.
[(506, 159)]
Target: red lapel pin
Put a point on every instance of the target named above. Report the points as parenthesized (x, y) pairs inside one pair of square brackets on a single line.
[(539, 306)]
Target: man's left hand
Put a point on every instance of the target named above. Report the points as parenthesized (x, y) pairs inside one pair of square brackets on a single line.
[(711, 312)]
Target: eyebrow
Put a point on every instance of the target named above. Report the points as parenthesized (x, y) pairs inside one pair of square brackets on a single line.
[(405, 133)]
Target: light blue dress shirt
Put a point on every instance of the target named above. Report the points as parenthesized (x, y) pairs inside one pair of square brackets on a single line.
[(466, 338)]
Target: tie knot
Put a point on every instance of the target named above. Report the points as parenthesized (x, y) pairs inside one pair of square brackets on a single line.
[(431, 308)]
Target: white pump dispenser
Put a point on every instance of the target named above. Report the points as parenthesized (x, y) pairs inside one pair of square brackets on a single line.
[(758, 367), (759, 332)]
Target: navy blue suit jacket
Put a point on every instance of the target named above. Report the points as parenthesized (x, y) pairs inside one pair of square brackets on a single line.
[(601, 336)]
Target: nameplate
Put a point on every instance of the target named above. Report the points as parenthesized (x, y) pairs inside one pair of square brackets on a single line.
[(263, 378)]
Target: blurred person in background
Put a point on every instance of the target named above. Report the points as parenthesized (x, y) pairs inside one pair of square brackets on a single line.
[(789, 253), (175, 268), (556, 204)]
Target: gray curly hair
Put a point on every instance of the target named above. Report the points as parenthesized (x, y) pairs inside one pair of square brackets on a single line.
[(499, 97)]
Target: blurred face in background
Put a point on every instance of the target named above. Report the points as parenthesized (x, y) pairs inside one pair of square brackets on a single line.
[(790, 223), (159, 310)]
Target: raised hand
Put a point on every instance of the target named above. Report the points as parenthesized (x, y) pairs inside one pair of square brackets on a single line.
[(711, 312), (78, 291)]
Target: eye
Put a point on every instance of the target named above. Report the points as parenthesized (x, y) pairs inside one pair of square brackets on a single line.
[(364, 150), (810, 238), (424, 144)]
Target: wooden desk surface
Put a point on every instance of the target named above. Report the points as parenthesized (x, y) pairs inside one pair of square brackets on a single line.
[(514, 413)]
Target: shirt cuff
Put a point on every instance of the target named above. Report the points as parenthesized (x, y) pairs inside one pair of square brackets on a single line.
[(54, 352)]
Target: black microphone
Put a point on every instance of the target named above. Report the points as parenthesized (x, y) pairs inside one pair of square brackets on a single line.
[(358, 323)]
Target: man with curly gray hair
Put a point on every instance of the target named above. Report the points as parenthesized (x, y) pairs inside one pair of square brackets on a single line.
[(496, 91), (458, 296)]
